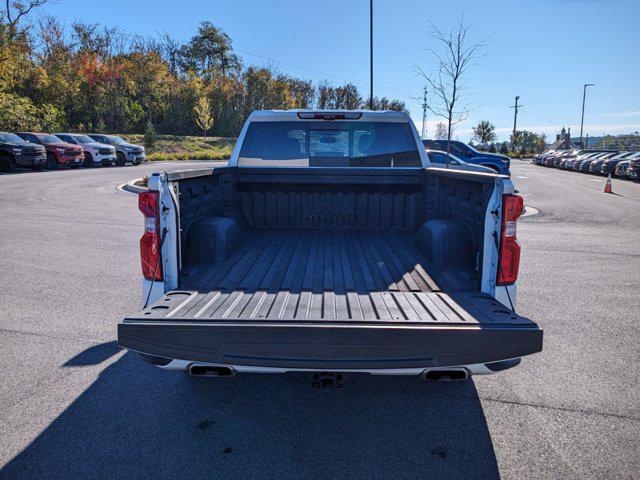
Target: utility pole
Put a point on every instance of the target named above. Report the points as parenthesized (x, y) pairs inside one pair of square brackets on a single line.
[(424, 114), (371, 54), (584, 94), (515, 120)]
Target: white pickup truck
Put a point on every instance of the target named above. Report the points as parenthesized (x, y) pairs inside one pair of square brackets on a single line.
[(329, 244)]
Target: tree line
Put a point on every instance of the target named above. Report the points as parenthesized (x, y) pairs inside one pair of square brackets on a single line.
[(524, 142), (90, 77)]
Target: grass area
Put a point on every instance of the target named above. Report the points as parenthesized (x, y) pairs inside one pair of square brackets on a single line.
[(178, 147)]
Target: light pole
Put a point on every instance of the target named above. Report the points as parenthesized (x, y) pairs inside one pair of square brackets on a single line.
[(371, 54), (584, 94)]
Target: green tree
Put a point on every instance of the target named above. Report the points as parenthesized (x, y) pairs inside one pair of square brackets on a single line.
[(347, 97), (209, 52), (202, 111), (326, 96), (89, 77), (150, 136), (484, 132)]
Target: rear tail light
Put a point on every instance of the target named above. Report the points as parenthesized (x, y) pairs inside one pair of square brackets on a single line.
[(150, 241), (512, 208)]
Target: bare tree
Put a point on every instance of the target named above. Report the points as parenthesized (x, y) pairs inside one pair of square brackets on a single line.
[(170, 48), (14, 11), (447, 82)]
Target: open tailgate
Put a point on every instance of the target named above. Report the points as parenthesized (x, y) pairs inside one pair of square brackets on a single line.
[(330, 331)]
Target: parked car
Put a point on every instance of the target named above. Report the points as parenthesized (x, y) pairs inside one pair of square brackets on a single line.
[(578, 164), (15, 152), (498, 163), (58, 151), (439, 159), (559, 160), (290, 259), (585, 166), (634, 169), (552, 159), (542, 159), (622, 169), (125, 151), (596, 165), (538, 158), (545, 156), (95, 153), (609, 165), (569, 164)]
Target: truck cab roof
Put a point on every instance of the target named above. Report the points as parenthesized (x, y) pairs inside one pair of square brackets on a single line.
[(329, 115)]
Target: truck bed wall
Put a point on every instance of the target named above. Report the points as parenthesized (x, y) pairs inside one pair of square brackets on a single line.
[(344, 199)]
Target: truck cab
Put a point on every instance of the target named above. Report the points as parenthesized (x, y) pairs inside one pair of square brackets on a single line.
[(330, 244)]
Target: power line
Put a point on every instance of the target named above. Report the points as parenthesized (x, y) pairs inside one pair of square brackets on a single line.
[(321, 74), (554, 124)]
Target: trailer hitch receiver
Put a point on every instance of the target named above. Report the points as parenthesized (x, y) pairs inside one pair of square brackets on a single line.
[(327, 380)]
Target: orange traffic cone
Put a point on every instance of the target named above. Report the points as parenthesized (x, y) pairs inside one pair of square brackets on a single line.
[(607, 186)]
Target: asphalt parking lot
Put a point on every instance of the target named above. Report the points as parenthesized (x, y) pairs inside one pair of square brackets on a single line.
[(73, 405)]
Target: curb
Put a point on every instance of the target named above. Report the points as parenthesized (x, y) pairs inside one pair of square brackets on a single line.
[(131, 187), (529, 212)]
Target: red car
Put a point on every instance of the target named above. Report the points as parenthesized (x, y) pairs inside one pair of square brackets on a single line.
[(58, 152)]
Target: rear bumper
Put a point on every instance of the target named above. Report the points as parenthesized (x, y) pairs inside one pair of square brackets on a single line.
[(290, 345)]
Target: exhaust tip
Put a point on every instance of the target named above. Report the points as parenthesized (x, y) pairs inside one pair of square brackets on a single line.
[(448, 375), (196, 370)]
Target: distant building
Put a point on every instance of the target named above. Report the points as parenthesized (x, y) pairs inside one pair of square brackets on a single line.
[(563, 141)]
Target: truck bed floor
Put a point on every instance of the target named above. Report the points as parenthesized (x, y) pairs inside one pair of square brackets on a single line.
[(319, 261), (304, 275)]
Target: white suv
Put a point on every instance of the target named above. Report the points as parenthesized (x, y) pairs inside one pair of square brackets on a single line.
[(95, 153)]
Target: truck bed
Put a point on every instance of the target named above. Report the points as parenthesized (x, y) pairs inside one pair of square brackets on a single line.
[(330, 269), (328, 299), (319, 275)]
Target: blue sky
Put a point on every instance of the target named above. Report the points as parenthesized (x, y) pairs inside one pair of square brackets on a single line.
[(542, 50)]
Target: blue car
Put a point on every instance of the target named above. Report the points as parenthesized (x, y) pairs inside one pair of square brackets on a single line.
[(499, 163)]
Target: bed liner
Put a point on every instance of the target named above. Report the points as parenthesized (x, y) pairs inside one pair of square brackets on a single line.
[(328, 300), (323, 275)]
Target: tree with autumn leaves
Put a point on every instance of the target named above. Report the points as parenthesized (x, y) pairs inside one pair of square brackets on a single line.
[(98, 78)]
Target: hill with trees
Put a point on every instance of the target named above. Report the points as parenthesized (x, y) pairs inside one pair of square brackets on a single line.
[(91, 77)]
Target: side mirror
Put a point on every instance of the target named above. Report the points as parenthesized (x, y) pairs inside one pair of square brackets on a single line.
[(453, 162)]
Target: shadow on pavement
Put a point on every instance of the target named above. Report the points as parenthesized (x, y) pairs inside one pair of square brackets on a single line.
[(94, 355), (137, 421)]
